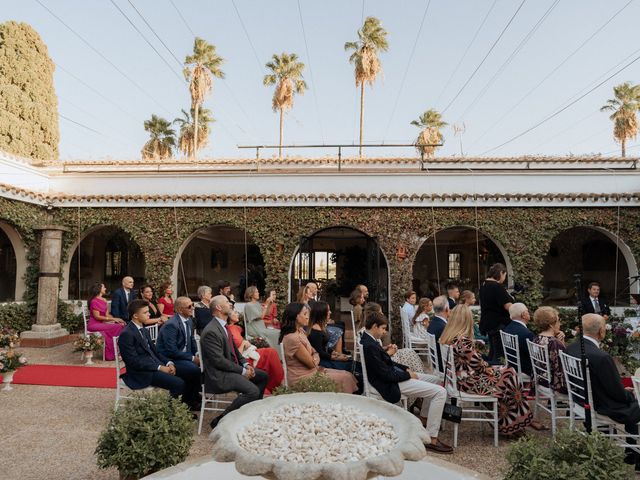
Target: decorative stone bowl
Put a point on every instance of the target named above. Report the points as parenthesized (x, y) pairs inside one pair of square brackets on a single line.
[(409, 430)]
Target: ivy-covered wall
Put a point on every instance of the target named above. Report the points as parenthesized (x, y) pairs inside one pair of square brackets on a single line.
[(525, 233)]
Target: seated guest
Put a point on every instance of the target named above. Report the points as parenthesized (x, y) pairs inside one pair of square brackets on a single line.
[(224, 288), (253, 313), (519, 314), (439, 322), (319, 339), (408, 310), (225, 369), (357, 301), (467, 298), (594, 303), (474, 375), (420, 321), (392, 379), (453, 294), (202, 311), (301, 359), (267, 358), (145, 365), (307, 294), (270, 305), (155, 314), (548, 322), (100, 320), (165, 302), (177, 342), (121, 297)]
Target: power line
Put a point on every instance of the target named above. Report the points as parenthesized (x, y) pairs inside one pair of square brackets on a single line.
[(485, 57), (563, 108), (246, 33), (313, 82), (406, 70), (81, 125), (554, 70), (182, 18)]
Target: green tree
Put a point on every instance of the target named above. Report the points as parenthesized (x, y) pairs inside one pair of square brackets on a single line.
[(372, 39), (28, 101), (187, 137), (162, 141), (624, 105), (286, 75), (200, 68), (430, 123)]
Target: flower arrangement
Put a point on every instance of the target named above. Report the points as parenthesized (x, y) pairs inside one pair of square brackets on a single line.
[(259, 342), (88, 343), (8, 338), (10, 360)]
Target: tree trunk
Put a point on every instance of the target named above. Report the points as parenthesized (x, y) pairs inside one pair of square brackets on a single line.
[(361, 116), (195, 132), (281, 131), (624, 150)]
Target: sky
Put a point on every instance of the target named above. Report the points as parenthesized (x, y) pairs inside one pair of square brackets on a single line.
[(515, 77)]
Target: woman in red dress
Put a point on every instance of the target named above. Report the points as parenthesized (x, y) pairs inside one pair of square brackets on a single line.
[(165, 302)]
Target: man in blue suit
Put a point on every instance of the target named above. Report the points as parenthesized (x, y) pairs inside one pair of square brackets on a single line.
[(121, 297), (145, 365), (520, 317), (177, 342), (438, 322)]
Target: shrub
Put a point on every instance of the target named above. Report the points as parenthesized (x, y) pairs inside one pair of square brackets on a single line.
[(69, 320), (318, 382), (570, 456), (15, 316), (147, 434)]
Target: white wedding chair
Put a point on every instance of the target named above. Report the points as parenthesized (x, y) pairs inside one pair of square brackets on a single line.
[(284, 364), (511, 349), (122, 391), (216, 400), (369, 391), (87, 332)]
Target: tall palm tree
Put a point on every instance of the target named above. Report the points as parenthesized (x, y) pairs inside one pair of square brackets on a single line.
[(624, 107), (286, 75), (188, 134), (199, 70), (372, 38), (430, 123), (162, 141)]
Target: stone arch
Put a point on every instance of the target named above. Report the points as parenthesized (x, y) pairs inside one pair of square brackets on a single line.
[(15, 261)]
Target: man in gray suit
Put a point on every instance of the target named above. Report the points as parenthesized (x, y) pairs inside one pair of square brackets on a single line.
[(225, 369)]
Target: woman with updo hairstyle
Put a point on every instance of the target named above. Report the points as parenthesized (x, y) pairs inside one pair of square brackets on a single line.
[(547, 320), (100, 320)]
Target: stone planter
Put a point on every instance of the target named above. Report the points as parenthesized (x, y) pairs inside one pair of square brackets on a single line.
[(88, 356), (7, 378)]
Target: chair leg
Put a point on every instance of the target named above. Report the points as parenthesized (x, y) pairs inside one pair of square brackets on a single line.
[(202, 405), (554, 415), (455, 435), (495, 424), (535, 404)]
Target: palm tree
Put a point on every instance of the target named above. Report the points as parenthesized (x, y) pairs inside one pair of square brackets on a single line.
[(372, 38), (430, 122), (188, 135), (162, 141), (624, 107), (286, 75), (199, 70)]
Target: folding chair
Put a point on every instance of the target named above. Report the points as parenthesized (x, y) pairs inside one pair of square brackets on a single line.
[(284, 364), (123, 392), (511, 350), (369, 391), (153, 332), (432, 345), (542, 381), (419, 346), (87, 332), (355, 350), (208, 398)]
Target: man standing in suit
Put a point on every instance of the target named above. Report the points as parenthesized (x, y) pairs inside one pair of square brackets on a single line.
[(225, 369), (594, 303), (392, 379), (518, 326), (145, 365), (121, 297), (176, 342), (453, 294), (438, 322)]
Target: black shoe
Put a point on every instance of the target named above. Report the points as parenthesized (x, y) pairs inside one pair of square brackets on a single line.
[(215, 421), (194, 416), (195, 407)]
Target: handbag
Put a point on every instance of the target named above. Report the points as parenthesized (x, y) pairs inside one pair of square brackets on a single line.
[(451, 411)]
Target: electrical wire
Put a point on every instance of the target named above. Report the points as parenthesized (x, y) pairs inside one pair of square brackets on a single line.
[(182, 18), (246, 33)]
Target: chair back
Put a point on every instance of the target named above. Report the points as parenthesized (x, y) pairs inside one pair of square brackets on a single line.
[(85, 317), (451, 380), (355, 336), (432, 344), (572, 368), (405, 324), (153, 332), (368, 389), (116, 352), (284, 364), (199, 347), (511, 350), (636, 386), (540, 363)]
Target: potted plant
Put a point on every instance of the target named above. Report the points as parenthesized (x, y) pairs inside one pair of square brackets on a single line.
[(87, 344), (318, 382), (10, 361), (147, 434)]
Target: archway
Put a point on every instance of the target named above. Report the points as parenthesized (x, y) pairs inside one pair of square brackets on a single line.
[(13, 264), (105, 254), (590, 252), (461, 251), (337, 259), (219, 253)]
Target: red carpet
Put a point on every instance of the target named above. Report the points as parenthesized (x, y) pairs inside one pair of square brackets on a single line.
[(66, 376)]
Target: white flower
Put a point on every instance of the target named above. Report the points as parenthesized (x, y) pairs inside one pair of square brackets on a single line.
[(609, 326), (1, 366), (574, 332), (22, 359)]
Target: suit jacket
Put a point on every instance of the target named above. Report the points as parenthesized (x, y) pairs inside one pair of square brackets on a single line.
[(171, 340), (524, 334), (609, 396), (221, 372), (139, 355), (452, 303), (587, 306), (436, 327), (384, 374), (119, 303), (202, 318)]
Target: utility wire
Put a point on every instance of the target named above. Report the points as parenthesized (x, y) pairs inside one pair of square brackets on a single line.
[(485, 57), (82, 125), (246, 32), (182, 18)]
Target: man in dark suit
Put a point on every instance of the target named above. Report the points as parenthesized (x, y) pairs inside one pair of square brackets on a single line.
[(225, 369), (594, 303), (453, 294), (610, 398), (177, 342), (121, 297), (518, 326), (145, 365), (391, 379), (438, 322)]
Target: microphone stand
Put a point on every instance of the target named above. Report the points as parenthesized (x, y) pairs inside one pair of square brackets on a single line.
[(583, 356)]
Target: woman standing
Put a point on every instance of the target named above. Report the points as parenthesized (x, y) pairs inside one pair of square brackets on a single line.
[(102, 321), (253, 313), (165, 302), (495, 302)]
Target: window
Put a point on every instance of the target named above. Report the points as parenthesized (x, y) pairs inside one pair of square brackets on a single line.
[(115, 260), (455, 260), (325, 265)]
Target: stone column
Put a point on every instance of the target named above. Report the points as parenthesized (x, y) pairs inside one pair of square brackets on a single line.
[(47, 332)]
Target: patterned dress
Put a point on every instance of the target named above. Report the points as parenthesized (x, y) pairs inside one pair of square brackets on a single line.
[(554, 346), (474, 375)]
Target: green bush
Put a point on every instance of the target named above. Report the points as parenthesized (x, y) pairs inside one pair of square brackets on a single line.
[(69, 320), (318, 382), (147, 434), (570, 456), (16, 316)]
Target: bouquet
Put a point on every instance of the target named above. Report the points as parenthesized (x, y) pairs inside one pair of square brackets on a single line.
[(259, 342), (88, 343), (8, 338), (11, 360)]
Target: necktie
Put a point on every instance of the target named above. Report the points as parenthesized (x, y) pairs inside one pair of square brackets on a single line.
[(231, 345), (186, 335), (596, 305), (147, 339)]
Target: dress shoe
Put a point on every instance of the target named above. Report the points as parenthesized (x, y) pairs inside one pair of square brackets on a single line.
[(438, 447), (215, 421)]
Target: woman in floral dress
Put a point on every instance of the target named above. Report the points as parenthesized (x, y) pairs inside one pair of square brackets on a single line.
[(476, 376), (548, 321)]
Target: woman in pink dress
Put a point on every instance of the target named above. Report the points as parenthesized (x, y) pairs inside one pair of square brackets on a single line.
[(100, 320)]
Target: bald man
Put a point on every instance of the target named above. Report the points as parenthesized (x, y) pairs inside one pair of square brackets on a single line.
[(610, 398), (121, 298)]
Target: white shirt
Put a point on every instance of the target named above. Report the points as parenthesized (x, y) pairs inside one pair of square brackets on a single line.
[(127, 294), (592, 340)]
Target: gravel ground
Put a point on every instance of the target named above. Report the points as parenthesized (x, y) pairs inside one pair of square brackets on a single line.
[(54, 430)]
